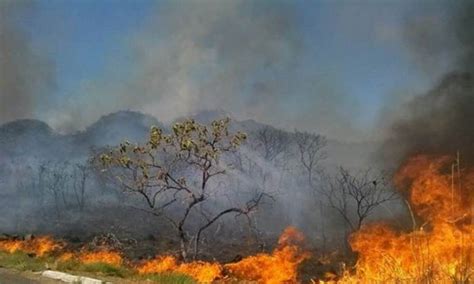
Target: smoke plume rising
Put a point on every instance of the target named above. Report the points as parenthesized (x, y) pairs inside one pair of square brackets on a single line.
[(25, 76), (245, 57), (191, 56), (441, 121)]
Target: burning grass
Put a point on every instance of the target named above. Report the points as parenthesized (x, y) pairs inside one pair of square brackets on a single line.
[(280, 266), (440, 249), (111, 258), (44, 253), (39, 246), (199, 270)]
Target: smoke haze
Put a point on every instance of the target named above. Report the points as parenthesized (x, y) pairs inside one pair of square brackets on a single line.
[(247, 58), (191, 56), (440, 121), (26, 78), (244, 57)]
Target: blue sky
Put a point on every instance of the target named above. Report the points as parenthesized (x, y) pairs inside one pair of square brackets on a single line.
[(82, 35), (354, 49)]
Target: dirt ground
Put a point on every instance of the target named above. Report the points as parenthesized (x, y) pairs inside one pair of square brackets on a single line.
[(10, 276)]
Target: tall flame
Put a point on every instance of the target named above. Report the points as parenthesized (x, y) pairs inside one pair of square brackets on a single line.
[(441, 248), (279, 267)]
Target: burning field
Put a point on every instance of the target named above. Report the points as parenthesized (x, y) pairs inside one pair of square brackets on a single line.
[(279, 266), (238, 141), (439, 248), (435, 246)]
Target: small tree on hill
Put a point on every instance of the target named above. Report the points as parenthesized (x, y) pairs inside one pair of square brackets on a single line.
[(178, 173)]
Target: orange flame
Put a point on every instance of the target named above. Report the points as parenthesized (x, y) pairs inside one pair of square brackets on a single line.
[(204, 272), (67, 256), (101, 256), (441, 250), (39, 246), (279, 267)]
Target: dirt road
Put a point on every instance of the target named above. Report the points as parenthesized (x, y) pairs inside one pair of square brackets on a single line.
[(7, 277)]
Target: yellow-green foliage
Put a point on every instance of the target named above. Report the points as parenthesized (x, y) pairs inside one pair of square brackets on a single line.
[(21, 261), (95, 268), (171, 278), (149, 168)]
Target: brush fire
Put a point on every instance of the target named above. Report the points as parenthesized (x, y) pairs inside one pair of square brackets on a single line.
[(437, 249), (36, 246), (237, 141), (280, 266), (172, 179)]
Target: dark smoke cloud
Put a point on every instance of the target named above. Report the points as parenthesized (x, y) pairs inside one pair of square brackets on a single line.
[(442, 120), (25, 76), (465, 34)]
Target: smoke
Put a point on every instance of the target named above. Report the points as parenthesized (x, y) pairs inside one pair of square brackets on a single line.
[(431, 41), (25, 76), (244, 57), (197, 55), (440, 121)]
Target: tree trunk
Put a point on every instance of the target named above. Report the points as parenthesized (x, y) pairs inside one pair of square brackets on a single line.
[(183, 243)]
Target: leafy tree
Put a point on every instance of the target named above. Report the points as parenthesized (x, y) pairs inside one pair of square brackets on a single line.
[(177, 173)]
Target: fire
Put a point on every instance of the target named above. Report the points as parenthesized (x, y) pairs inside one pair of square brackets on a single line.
[(67, 256), (279, 267), (199, 270), (158, 265), (39, 246), (11, 246), (101, 256), (441, 248)]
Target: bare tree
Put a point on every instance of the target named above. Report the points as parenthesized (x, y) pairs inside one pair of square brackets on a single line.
[(177, 173), (310, 151), (356, 196), (54, 179), (272, 142), (80, 174)]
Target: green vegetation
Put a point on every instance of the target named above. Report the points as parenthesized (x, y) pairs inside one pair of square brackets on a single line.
[(170, 278), (99, 268), (24, 262), (104, 269)]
